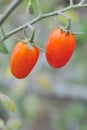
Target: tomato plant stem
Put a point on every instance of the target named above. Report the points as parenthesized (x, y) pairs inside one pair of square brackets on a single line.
[(42, 16), (71, 2), (2, 30), (9, 10), (39, 8), (33, 33), (29, 9)]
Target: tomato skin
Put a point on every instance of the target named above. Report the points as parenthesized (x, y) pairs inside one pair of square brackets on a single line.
[(23, 59), (59, 48)]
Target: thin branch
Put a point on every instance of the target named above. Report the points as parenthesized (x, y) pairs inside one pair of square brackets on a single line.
[(29, 9), (2, 30), (73, 7), (82, 1), (39, 8), (71, 2), (68, 19), (43, 16), (21, 28), (9, 10), (32, 33)]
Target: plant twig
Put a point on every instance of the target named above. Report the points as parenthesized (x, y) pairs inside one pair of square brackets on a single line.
[(33, 33), (9, 10), (82, 1), (29, 9), (68, 19), (39, 8), (71, 2), (2, 30), (43, 16)]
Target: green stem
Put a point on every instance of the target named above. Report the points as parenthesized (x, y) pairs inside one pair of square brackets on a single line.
[(68, 24), (71, 2), (3, 32), (43, 16), (82, 1), (39, 8), (32, 36), (33, 33), (24, 32), (68, 20), (9, 10), (29, 9)]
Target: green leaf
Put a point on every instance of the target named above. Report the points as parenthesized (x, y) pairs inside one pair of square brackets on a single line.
[(3, 48), (7, 102)]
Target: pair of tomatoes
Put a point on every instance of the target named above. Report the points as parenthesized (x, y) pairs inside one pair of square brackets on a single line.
[(59, 48)]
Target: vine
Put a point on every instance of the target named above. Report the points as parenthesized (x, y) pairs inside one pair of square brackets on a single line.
[(40, 16)]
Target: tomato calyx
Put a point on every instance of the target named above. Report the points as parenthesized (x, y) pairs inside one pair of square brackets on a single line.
[(65, 30), (71, 32)]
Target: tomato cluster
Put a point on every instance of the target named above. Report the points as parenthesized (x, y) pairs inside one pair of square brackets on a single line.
[(59, 49)]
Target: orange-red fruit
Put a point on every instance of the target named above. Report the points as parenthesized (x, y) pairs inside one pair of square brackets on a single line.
[(59, 48), (23, 59)]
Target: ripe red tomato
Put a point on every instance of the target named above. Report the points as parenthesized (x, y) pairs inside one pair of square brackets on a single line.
[(23, 59), (59, 48)]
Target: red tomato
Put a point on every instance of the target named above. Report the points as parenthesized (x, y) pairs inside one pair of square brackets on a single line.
[(23, 59), (59, 48)]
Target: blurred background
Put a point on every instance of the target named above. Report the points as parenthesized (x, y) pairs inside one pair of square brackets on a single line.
[(47, 99)]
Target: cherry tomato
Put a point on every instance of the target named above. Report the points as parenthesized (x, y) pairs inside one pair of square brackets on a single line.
[(59, 48), (23, 59)]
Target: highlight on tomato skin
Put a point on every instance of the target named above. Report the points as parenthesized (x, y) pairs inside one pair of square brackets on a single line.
[(23, 59), (59, 48)]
